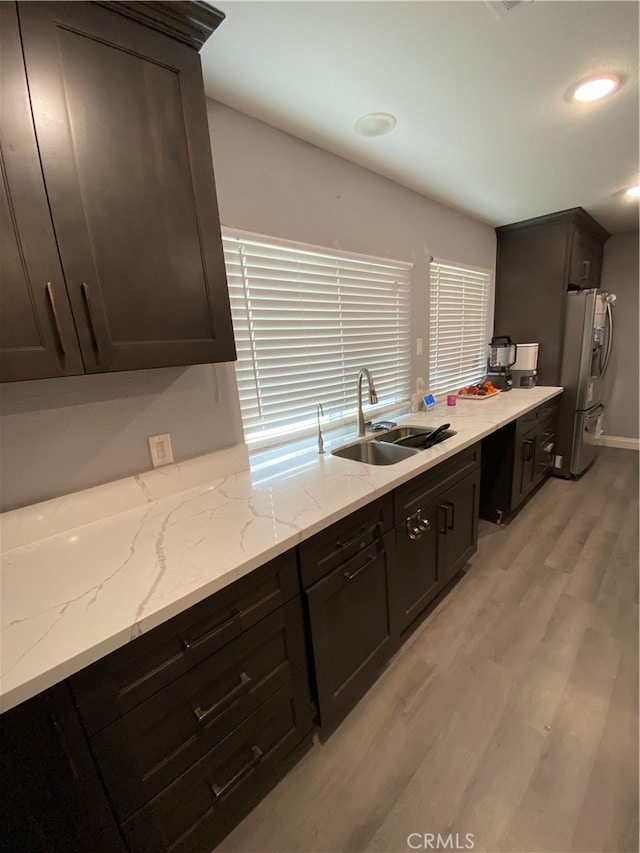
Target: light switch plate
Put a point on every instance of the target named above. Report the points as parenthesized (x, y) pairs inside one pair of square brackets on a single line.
[(161, 450)]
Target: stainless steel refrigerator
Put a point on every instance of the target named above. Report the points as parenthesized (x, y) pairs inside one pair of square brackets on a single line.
[(588, 338)]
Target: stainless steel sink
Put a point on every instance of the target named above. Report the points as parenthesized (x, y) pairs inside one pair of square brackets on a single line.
[(414, 437), (375, 452)]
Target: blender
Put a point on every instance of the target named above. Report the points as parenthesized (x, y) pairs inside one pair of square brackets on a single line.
[(502, 354)]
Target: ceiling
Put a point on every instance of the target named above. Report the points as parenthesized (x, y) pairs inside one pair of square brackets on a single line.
[(483, 122)]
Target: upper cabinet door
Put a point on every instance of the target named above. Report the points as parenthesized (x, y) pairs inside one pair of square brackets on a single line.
[(585, 260), (37, 335), (120, 118)]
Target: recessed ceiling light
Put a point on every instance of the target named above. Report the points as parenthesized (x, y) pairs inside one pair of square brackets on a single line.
[(375, 124), (634, 192), (595, 88)]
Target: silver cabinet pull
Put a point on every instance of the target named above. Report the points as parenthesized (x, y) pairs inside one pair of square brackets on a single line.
[(450, 507), (364, 529), (56, 322), (226, 700), (423, 523), (193, 644), (86, 296), (220, 790), (351, 575), (413, 531)]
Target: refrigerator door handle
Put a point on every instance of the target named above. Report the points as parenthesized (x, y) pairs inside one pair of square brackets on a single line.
[(605, 364)]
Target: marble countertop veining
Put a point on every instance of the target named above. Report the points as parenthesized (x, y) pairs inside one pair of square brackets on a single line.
[(84, 574)]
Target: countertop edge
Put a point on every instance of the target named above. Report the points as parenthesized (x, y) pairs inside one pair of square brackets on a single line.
[(41, 678)]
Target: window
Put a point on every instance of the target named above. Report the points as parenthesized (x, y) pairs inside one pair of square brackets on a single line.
[(306, 320), (458, 326)]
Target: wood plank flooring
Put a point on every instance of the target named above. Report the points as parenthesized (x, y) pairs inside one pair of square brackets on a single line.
[(511, 713)]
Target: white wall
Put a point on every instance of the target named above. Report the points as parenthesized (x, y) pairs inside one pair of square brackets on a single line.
[(60, 435), (275, 184), (620, 276)]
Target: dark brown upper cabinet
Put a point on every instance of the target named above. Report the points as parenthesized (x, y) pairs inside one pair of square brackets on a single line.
[(37, 334), (120, 125), (538, 260)]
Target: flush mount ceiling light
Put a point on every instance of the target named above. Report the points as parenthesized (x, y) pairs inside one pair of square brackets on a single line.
[(375, 124), (594, 88), (634, 192)]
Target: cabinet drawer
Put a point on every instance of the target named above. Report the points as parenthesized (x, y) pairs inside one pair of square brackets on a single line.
[(423, 488), (202, 806), (343, 540), (119, 682), (526, 422), (548, 411), (144, 751)]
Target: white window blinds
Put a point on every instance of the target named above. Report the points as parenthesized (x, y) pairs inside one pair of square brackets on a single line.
[(458, 326), (305, 320)]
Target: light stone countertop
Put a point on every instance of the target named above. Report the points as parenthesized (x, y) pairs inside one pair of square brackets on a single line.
[(84, 574)]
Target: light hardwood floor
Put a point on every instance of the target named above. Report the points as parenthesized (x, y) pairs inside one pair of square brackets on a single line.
[(511, 713)]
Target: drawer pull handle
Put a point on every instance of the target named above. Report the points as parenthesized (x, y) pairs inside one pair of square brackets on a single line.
[(226, 700), (193, 644), (527, 447), (423, 523), (346, 543), (220, 790), (443, 515), (351, 575)]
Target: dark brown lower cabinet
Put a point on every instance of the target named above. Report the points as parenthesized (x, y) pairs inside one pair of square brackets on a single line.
[(515, 460), (148, 748), (351, 631), (436, 536), (166, 743), (51, 797), (205, 803), (419, 561)]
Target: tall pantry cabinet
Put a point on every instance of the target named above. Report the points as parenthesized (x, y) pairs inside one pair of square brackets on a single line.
[(538, 260)]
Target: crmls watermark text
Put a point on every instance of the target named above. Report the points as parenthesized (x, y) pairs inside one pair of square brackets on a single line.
[(433, 841)]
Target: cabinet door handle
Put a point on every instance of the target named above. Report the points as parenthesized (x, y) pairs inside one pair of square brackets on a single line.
[(220, 790), (442, 512), (413, 532), (65, 748), (351, 575), (346, 543), (56, 321), (586, 269), (97, 330), (226, 700), (193, 644), (423, 523), (527, 447), (450, 506)]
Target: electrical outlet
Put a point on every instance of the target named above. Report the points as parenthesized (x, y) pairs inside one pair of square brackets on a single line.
[(418, 346), (420, 385), (160, 447)]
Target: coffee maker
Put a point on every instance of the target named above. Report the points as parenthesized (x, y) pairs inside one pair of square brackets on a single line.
[(502, 355)]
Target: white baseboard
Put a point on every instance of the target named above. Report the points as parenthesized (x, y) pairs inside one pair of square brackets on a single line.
[(619, 441)]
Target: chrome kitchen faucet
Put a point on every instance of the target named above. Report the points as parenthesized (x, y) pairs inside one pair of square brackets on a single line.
[(373, 397)]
